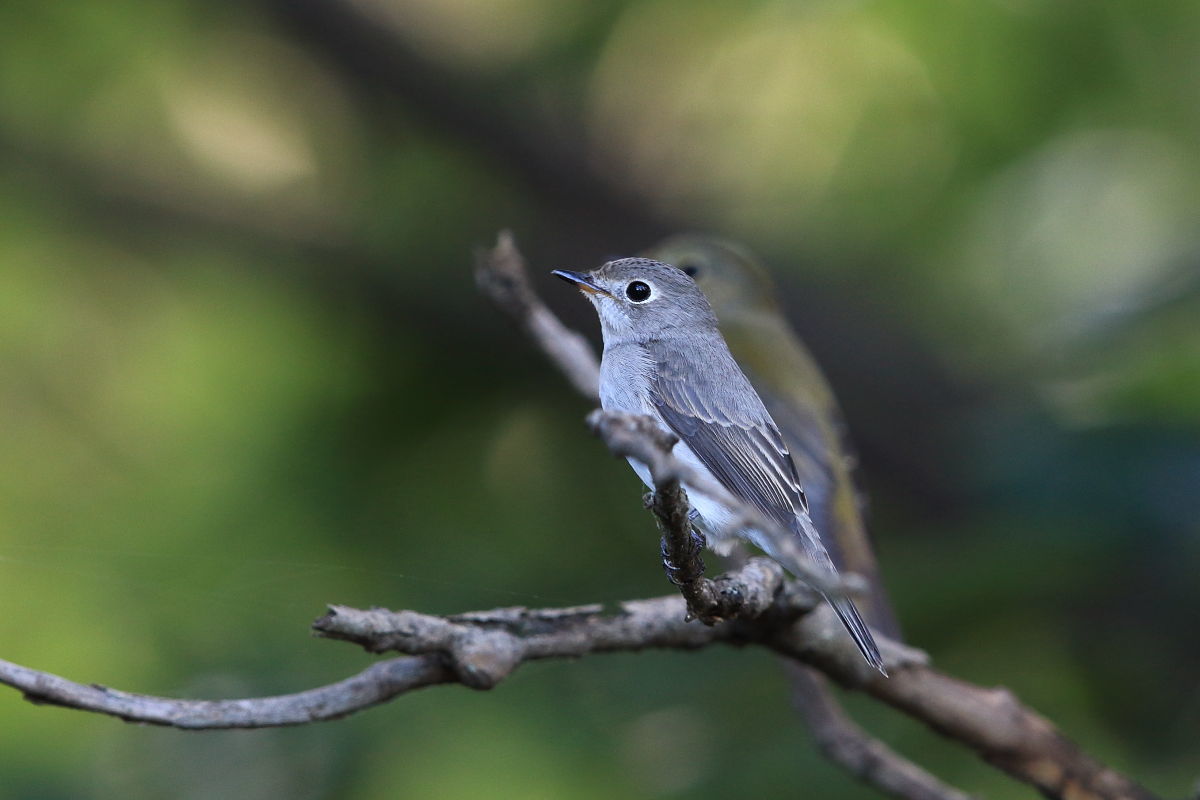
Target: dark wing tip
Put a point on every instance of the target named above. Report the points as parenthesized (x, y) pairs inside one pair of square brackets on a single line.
[(858, 630)]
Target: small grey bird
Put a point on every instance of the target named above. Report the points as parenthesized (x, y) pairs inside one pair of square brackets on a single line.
[(664, 357)]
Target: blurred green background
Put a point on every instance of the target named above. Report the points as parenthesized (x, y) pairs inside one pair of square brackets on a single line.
[(244, 371)]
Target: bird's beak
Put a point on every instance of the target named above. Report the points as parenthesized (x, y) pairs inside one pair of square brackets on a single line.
[(584, 281)]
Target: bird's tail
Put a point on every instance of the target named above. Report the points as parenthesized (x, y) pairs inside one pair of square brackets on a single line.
[(807, 545), (848, 613)]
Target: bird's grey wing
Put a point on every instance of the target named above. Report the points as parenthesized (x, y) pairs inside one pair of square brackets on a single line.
[(710, 405)]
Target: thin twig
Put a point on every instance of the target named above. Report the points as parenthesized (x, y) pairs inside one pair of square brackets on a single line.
[(376, 684), (501, 275), (484, 647)]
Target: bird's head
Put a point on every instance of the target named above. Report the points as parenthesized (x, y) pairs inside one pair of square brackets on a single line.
[(639, 299)]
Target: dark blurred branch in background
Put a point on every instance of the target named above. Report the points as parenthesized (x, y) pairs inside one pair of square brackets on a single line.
[(551, 162), (846, 744)]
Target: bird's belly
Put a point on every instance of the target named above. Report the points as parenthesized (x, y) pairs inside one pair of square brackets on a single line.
[(712, 518), (719, 537)]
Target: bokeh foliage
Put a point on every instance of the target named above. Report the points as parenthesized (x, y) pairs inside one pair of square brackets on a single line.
[(243, 370)]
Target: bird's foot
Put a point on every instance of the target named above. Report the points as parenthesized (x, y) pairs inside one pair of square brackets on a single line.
[(683, 565)]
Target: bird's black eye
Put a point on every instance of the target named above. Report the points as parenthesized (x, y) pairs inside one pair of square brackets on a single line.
[(689, 269), (638, 291)]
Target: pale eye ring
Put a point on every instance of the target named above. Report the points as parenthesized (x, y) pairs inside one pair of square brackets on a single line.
[(638, 291)]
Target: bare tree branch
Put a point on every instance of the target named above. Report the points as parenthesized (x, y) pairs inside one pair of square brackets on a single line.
[(991, 721), (682, 547), (374, 685)]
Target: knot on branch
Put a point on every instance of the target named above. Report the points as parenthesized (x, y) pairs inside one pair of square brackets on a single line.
[(761, 586), (480, 657)]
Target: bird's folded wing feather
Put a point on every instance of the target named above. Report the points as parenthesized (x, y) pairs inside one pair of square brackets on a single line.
[(724, 423)]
